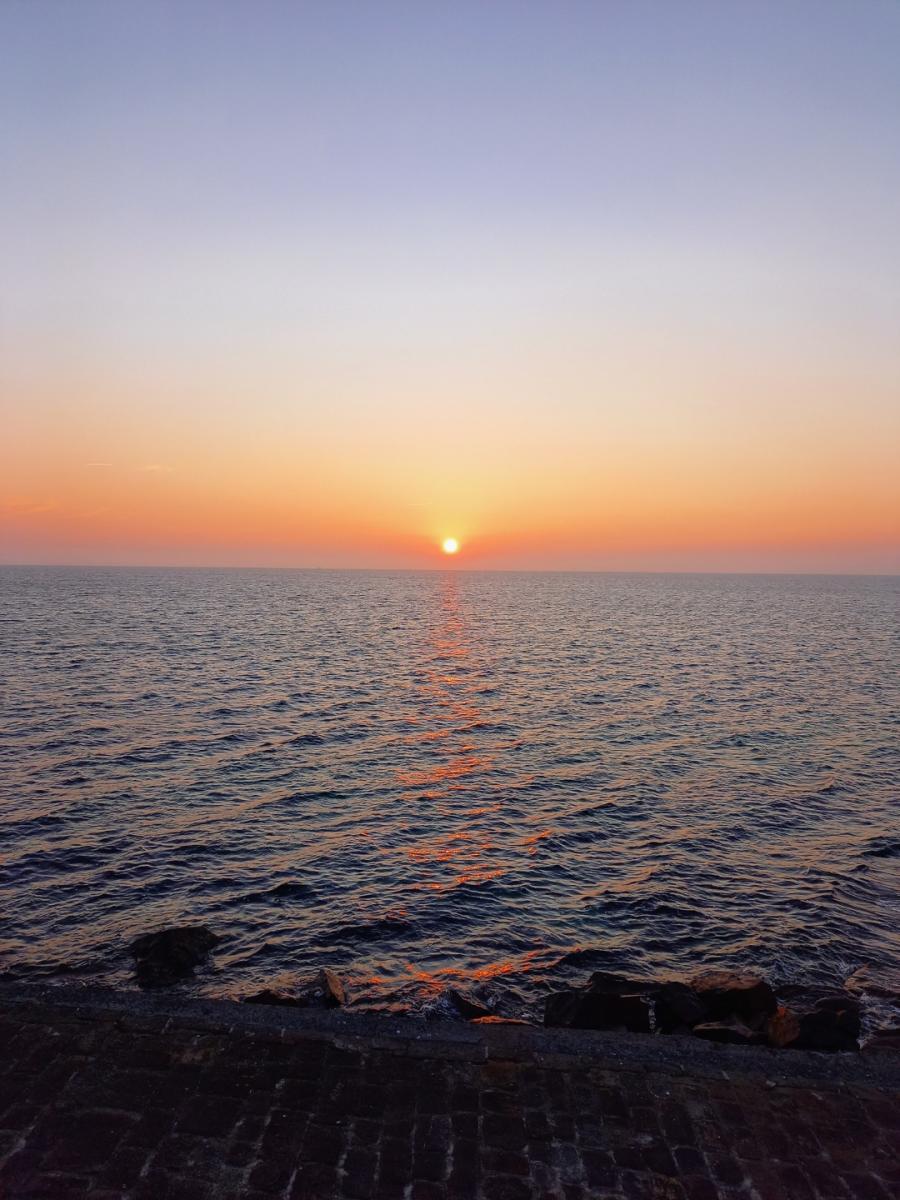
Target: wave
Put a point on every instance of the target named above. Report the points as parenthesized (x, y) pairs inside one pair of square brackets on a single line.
[(284, 757), (378, 928), (883, 848), (279, 892)]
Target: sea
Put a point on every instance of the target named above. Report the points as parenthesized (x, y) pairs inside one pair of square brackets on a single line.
[(492, 781)]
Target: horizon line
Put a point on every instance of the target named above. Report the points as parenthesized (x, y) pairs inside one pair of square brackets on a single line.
[(454, 570)]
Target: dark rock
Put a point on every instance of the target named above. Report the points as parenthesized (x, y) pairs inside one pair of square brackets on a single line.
[(620, 985), (836, 1001), (816, 1021), (725, 993), (829, 1029), (466, 1005), (730, 1030), (170, 954), (580, 1008), (324, 991), (565, 1009), (268, 996), (783, 1027), (677, 1007), (331, 989)]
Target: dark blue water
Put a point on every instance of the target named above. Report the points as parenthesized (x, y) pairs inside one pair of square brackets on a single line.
[(428, 778)]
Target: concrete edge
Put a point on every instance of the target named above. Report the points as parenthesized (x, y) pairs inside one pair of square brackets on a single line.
[(449, 1040)]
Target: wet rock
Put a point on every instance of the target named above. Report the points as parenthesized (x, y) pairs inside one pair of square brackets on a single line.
[(677, 1008), (813, 1020), (783, 1027), (324, 991), (168, 955), (269, 996), (327, 990), (581, 1008), (834, 1022), (825, 1029), (726, 993), (466, 1005), (730, 1030), (620, 985)]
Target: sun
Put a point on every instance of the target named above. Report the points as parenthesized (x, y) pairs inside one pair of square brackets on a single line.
[(449, 545)]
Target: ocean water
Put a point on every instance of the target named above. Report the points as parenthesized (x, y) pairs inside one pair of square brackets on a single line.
[(422, 779)]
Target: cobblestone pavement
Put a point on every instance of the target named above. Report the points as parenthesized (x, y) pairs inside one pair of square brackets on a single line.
[(120, 1099)]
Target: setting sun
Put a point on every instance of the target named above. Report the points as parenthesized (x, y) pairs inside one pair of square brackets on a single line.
[(450, 545)]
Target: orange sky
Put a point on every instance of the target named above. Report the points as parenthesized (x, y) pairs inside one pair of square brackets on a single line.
[(297, 310), (99, 470)]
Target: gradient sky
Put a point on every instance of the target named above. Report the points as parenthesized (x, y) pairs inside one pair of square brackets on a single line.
[(595, 285)]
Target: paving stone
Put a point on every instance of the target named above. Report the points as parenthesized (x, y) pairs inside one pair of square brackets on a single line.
[(272, 1176), (427, 1191), (501, 1187), (599, 1169), (504, 1162), (323, 1144), (505, 1131), (212, 1116), (313, 1181), (163, 1106)]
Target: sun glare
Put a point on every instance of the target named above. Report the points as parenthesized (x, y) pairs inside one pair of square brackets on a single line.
[(450, 545)]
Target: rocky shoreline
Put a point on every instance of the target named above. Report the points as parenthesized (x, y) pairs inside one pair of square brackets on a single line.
[(720, 1006), (734, 1008)]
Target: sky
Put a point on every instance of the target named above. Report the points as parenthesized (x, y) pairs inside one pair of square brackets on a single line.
[(606, 285)]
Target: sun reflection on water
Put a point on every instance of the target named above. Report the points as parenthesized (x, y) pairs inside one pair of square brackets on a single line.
[(448, 710)]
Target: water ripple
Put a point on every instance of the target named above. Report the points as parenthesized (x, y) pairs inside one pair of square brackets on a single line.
[(505, 781)]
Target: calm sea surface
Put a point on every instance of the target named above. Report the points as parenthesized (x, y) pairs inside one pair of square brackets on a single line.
[(423, 779)]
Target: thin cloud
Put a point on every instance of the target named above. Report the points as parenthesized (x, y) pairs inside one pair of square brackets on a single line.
[(98, 464), (28, 507)]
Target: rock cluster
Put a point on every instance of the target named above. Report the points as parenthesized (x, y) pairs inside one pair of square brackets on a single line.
[(324, 991), (720, 1006), (168, 955), (815, 1019), (608, 1002)]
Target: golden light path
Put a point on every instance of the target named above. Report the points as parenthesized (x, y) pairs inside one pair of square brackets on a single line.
[(450, 545)]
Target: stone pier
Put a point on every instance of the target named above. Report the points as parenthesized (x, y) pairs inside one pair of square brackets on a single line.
[(113, 1096)]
